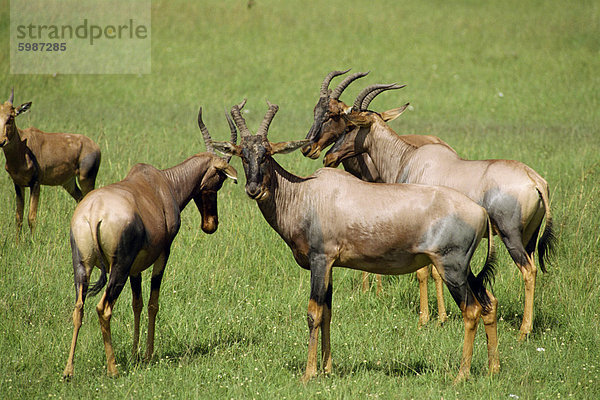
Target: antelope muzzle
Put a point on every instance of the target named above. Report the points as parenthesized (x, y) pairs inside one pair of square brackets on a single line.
[(210, 216), (312, 150)]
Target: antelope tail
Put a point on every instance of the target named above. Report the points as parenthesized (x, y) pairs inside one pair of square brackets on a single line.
[(548, 238), (486, 275), (101, 282)]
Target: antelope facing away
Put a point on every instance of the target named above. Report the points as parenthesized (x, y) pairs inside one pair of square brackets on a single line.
[(331, 218), (514, 195), (328, 125), (125, 227), (35, 158)]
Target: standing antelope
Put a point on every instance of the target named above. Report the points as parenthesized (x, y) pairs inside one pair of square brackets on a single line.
[(514, 195), (333, 219), (125, 227), (328, 125), (35, 158)]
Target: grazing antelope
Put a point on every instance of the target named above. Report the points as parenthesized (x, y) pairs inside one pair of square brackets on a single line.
[(331, 218), (328, 125), (125, 227), (514, 195), (35, 158)]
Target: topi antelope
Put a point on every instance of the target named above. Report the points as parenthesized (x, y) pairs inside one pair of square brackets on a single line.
[(331, 218), (328, 125), (125, 227), (35, 158), (514, 195), (360, 166)]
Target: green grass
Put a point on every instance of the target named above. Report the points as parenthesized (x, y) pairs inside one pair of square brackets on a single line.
[(512, 79)]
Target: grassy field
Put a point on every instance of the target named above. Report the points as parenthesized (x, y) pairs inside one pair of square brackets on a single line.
[(516, 80)]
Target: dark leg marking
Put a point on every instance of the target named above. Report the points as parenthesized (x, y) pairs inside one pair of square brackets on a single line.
[(136, 304)]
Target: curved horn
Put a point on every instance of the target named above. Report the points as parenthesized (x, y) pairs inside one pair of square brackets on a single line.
[(239, 120), (344, 84), (367, 100), (264, 125), (205, 134), (328, 78), (361, 96), (12, 95), (233, 130)]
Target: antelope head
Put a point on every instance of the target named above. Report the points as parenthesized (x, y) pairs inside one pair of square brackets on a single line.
[(205, 196), (8, 113), (328, 114), (331, 114), (351, 142), (256, 151)]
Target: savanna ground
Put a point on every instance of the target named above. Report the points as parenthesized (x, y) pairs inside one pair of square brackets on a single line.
[(516, 80)]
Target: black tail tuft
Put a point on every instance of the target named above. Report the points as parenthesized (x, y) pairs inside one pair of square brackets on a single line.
[(488, 273), (484, 279), (546, 245), (100, 283)]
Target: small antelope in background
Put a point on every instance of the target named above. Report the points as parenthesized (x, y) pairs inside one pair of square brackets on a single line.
[(35, 158), (125, 227), (328, 125), (331, 218), (514, 195)]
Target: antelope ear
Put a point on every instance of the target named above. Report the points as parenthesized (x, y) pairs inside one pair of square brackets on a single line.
[(227, 148), (227, 170), (359, 119), (22, 108), (288, 147), (392, 114)]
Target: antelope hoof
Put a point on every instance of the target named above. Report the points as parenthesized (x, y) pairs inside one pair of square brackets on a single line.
[(67, 376), (442, 319), (112, 372), (307, 377), (523, 336), (494, 368), (461, 377)]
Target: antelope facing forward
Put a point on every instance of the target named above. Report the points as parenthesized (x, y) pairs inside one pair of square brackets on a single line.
[(35, 158), (125, 227), (514, 195), (328, 125), (333, 219)]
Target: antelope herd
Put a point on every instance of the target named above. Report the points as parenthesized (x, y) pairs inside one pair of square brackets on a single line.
[(405, 202)]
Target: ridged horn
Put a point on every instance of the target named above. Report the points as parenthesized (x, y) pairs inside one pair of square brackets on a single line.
[(327, 81), (365, 103), (266, 122), (233, 130), (205, 134), (239, 120), (361, 96), (12, 95), (344, 84)]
